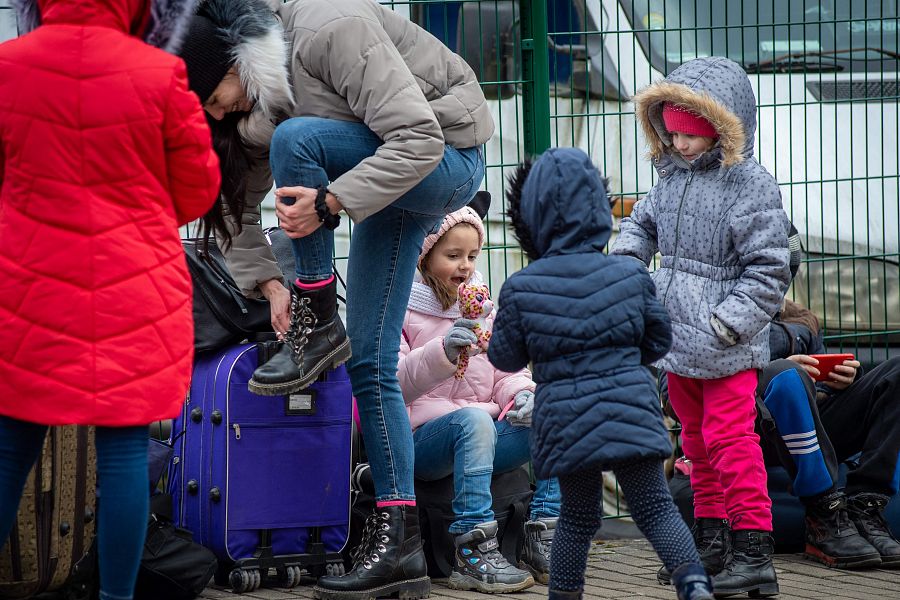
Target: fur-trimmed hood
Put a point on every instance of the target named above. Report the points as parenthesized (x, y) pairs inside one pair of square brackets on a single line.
[(715, 88), (260, 54), (164, 26), (558, 204)]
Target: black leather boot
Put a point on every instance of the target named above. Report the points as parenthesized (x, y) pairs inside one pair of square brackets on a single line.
[(867, 513), (389, 560), (692, 583), (479, 565), (536, 553), (710, 536), (316, 341), (832, 538), (748, 566)]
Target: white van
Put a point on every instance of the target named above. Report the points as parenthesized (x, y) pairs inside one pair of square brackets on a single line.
[(826, 78), (7, 21)]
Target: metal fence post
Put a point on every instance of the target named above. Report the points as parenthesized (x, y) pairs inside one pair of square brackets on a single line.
[(535, 75)]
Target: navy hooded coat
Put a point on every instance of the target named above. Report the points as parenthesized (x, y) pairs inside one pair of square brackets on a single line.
[(586, 321)]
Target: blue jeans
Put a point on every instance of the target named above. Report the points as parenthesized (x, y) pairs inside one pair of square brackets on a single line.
[(471, 445), (384, 251), (122, 478)]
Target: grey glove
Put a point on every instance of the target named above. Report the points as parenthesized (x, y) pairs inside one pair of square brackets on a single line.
[(460, 336), (523, 406)]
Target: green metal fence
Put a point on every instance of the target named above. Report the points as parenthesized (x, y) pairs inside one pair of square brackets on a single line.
[(562, 72), (825, 73)]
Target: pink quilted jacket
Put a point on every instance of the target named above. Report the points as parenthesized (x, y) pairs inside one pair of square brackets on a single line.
[(426, 376)]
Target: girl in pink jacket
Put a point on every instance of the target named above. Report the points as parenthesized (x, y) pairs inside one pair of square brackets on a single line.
[(455, 426)]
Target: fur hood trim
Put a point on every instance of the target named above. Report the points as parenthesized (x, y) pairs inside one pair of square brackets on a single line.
[(648, 105), (167, 24), (169, 20), (260, 54)]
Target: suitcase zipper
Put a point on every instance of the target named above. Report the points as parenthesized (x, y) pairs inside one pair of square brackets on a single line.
[(236, 427)]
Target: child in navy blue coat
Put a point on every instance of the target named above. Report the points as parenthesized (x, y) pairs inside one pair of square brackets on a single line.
[(589, 323)]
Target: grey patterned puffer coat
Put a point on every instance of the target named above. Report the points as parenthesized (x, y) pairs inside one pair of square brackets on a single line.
[(718, 224)]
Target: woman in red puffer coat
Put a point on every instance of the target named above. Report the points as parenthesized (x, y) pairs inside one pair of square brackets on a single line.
[(103, 154)]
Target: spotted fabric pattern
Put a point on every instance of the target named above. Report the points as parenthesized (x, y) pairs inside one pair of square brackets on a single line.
[(652, 509)]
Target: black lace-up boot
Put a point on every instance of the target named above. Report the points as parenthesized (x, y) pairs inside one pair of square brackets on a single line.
[(389, 560), (710, 535), (748, 566), (832, 538), (692, 583), (536, 554), (478, 564), (867, 513), (316, 341)]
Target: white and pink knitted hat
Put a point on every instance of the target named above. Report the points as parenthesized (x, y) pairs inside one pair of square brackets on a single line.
[(463, 215)]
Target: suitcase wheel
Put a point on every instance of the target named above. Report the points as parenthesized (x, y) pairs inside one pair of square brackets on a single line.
[(244, 580), (335, 568), (289, 576)]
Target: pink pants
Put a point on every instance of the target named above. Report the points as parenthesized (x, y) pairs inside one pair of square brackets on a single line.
[(728, 475)]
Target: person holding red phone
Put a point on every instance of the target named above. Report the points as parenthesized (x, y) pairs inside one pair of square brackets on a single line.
[(822, 420)]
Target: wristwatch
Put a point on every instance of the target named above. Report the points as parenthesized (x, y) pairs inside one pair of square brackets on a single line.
[(328, 220)]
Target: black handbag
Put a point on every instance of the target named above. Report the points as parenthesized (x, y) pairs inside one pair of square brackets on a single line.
[(222, 314), (173, 565), (511, 494)]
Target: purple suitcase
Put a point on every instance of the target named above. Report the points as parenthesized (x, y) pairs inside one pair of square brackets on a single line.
[(263, 481)]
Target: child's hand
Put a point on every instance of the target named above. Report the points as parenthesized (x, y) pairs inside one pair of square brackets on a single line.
[(523, 406), (460, 336), (807, 362), (842, 375)]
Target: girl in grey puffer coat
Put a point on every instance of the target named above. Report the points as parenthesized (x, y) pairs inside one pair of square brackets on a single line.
[(718, 223)]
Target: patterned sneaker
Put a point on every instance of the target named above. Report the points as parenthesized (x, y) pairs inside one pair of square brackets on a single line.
[(480, 566)]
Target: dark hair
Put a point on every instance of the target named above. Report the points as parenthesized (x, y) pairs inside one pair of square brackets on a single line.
[(516, 181), (234, 164), (794, 312)]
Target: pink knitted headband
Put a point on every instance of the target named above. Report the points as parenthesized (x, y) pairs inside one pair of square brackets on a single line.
[(463, 215), (680, 119)]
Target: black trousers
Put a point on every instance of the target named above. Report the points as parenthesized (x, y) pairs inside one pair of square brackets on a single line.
[(863, 418)]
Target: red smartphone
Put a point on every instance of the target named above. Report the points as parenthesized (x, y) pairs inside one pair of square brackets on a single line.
[(827, 363)]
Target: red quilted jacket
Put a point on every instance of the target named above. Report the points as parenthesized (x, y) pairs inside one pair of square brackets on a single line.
[(103, 154)]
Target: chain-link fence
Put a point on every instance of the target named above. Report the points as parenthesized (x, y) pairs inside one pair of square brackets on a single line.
[(825, 74), (826, 79)]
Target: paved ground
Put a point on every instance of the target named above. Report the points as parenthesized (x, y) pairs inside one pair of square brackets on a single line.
[(626, 569)]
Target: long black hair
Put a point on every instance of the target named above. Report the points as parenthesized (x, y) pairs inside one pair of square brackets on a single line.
[(234, 164)]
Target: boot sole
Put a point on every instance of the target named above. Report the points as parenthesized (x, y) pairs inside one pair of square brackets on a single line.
[(464, 582), (539, 577), (754, 591), (863, 561), (409, 589), (890, 562), (332, 360)]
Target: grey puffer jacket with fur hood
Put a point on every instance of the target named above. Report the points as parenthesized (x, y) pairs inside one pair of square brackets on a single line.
[(350, 60), (718, 224)]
